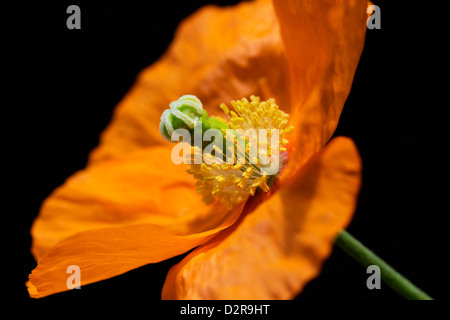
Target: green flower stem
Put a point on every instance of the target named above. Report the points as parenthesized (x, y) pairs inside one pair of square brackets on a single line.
[(388, 274)]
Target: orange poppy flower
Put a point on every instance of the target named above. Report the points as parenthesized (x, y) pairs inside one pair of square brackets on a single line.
[(132, 206)]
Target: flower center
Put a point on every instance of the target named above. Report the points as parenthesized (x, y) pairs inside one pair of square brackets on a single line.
[(253, 155), (246, 153)]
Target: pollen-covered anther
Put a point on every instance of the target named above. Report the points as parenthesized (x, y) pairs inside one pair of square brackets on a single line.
[(241, 173)]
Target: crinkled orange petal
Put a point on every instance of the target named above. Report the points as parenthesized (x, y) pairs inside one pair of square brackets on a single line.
[(323, 42), (219, 55), (107, 252), (280, 246), (142, 187)]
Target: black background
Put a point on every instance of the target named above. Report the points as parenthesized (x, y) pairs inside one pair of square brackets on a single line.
[(61, 87)]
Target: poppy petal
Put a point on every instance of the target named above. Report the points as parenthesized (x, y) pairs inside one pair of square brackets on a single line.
[(218, 54), (280, 246), (107, 252), (323, 42), (137, 188)]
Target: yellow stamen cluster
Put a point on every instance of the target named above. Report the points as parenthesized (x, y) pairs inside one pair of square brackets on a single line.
[(255, 114), (237, 175)]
